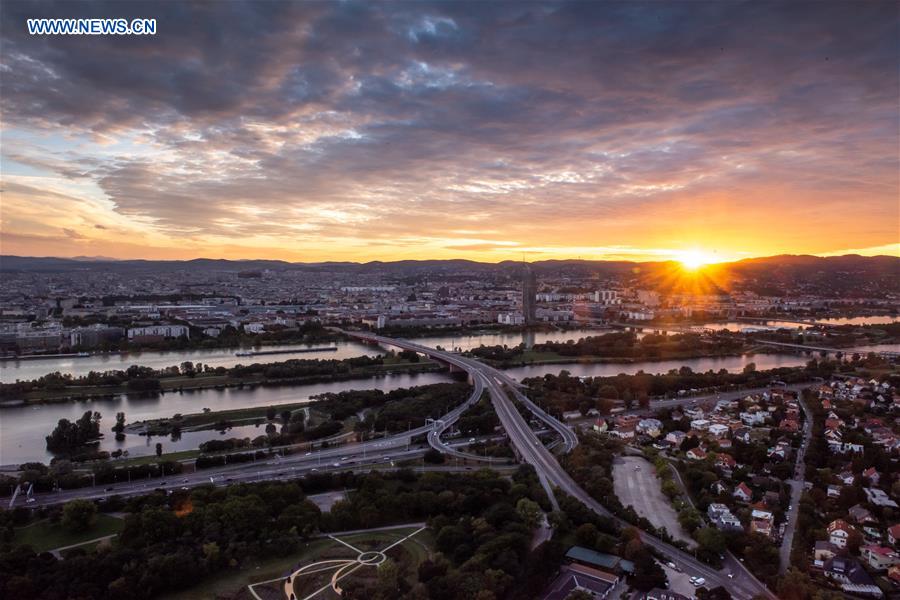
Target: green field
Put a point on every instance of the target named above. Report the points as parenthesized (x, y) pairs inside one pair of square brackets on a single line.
[(44, 535), (255, 571)]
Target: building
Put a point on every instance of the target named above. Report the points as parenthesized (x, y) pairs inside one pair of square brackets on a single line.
[(599, 560), (743, 492), (529, 295), (879, 498), (722, 518), (651, 427), (879, 558), (95, 335), (658, 594), (839, 532), (159, 331), (606, 297), (510, 319), (593, 582)]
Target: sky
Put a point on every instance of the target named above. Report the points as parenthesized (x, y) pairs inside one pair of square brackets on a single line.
[(489, 131)]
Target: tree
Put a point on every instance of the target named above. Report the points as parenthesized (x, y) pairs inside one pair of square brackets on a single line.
[(586, 535), (530, 511), (68, 436), (749, 368), (644, 401), (158, 449), (270, 413), (388, 584), (433, 457), (647, 572), (584, 407), (120, 422), (711, 542), (608, 391), (79, 515)]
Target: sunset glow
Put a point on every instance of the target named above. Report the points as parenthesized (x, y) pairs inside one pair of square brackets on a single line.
[(485, 131), (694, 259)]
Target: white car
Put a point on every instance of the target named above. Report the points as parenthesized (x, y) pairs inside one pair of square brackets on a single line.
[(699, 581)]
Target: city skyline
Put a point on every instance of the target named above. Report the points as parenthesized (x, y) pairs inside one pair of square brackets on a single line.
[(698, 132)]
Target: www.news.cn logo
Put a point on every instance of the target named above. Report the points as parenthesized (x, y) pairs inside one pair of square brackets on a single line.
[(92, 26)]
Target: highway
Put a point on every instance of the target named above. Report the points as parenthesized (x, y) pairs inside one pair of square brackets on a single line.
[(370, 453), (388, 450), (741, 584)]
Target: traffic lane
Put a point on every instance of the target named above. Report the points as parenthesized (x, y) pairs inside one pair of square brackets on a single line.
[(548, 467), (247, 473)]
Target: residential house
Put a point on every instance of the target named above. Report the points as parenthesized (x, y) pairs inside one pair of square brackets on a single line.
[(879, 558), (824, 550), (872, 475), (893, 533), (718, 430), (879, 498), (742, 492), (839, 532), (696, 453), (676, 437), (651, 427), (860, 515)]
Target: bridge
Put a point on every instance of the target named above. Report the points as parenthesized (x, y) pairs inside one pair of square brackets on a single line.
[(737, 579), (890, 355)]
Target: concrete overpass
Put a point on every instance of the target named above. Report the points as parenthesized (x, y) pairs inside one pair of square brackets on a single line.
[(741, 584), (844, 351)]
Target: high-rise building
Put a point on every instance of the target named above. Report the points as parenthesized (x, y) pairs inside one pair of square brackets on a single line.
[(529, 291)]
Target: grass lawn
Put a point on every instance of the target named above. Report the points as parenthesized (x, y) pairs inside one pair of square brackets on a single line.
[(44, 535), (230, 582)]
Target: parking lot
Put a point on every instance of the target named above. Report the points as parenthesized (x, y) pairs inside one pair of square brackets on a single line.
[(641, 489)]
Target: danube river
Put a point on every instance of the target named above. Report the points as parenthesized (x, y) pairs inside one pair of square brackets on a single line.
[(12, 370), (22, 428)]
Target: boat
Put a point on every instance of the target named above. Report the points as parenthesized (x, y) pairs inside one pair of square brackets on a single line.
[(286, 351)]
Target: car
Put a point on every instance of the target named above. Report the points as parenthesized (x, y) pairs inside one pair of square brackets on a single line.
[(343, 458), (336, 465), (185, 488), (471, 440), (699, 581), (307, 454), (731, 576), (230, 479), (30, 500), (671, 565), (185, 480), (637, 468), (109, 489)]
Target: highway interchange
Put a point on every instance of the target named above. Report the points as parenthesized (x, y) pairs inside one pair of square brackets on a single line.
[(386, 452)]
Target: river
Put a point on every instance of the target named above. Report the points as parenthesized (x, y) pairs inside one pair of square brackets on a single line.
[(12, 370), (23, 428)]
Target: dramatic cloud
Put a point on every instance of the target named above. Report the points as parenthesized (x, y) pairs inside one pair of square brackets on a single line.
[(360, 130)]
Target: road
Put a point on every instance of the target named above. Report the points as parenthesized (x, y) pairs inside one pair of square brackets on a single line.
[(796, 485), (742, 586)]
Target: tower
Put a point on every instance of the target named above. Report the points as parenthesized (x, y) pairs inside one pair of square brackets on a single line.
[(529, 291)]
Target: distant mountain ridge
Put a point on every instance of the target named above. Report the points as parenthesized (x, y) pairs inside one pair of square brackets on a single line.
[(852, 262)]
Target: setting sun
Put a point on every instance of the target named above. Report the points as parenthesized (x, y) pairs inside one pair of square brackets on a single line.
[(694, 259)]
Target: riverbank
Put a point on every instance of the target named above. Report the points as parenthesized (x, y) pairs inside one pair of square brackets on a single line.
[(531, 358), (213, 381)]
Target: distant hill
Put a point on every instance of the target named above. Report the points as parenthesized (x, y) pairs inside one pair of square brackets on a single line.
[(766, 275)]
